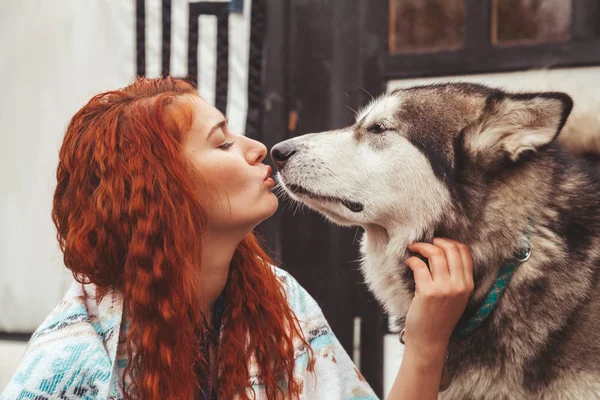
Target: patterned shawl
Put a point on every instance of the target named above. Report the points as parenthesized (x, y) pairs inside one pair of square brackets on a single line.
[(79, 352)]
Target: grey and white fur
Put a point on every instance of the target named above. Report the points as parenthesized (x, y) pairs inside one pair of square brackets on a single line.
[(474, 164)]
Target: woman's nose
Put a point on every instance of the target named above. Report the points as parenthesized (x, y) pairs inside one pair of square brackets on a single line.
[(258, 152)]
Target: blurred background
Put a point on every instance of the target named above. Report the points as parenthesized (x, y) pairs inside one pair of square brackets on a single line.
[(277, 69)]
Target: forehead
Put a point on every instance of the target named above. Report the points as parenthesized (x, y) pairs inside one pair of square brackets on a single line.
[(417, 105), (205, 115), (206, 110), (381, 108)]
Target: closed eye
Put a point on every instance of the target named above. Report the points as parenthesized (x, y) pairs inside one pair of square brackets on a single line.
[(376, 128), (227, 145)]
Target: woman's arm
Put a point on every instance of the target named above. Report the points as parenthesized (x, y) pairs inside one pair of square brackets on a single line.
[(441, 295)]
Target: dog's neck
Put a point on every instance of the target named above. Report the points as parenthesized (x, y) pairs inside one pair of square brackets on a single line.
[(384, 251), (492, 228)]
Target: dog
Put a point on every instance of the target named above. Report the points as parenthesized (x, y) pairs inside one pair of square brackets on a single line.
[(482, 166)]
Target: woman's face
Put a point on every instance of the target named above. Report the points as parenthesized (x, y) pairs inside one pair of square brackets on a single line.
[(232, 164)]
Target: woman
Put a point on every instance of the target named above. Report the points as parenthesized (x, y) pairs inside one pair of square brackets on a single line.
[(155, 205)]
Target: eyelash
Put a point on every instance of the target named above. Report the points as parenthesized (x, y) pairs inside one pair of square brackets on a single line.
[(226, 146), (377, 128)]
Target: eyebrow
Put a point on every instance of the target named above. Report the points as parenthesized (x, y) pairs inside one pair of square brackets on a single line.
[(218, 126)]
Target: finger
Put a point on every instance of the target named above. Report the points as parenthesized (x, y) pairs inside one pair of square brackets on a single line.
[(453, 257), (420, 271), (435, 256), (467, 259)]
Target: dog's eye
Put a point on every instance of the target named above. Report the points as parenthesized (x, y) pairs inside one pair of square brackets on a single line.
[(376, 128)]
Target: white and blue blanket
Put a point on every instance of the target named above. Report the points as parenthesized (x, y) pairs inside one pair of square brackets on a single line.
[(79, 352)]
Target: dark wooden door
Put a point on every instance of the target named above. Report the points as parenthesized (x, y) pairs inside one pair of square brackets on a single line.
[(320, 59)]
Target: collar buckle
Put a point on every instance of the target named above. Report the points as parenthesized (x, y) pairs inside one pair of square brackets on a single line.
[(523, 255)]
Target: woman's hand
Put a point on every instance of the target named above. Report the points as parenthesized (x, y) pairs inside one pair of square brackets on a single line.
[(441, 295)]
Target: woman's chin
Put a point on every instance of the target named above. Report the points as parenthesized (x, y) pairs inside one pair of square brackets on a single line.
[(265, 209), (244, 218), (272, 204)]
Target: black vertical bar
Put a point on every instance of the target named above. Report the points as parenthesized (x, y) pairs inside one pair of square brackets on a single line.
[(478, 17), (221, 11), (166, 37), (140, 37), (585, 21), (255, 62), (222, 76), (192, 61)]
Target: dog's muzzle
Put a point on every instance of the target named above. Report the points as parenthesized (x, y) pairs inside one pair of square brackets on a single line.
[(281, 153)]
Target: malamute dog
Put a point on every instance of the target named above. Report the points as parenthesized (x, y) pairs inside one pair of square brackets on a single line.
[(481, 166)]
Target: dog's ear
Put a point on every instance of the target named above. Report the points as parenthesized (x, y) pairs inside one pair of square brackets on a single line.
[(513, 123)]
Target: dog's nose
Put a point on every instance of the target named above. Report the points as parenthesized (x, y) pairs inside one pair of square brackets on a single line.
[(281, 152)]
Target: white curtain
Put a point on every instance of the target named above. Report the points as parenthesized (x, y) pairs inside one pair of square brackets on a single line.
[(55, 55)]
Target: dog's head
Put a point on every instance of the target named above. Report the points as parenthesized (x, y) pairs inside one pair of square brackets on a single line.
[(402, 161)]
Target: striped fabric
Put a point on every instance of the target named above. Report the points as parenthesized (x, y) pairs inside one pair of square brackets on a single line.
[(79, 352)]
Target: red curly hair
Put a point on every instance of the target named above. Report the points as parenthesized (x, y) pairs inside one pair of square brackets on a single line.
[(128, 218)]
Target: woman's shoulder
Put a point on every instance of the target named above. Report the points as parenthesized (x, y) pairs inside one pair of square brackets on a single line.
[(312, 321), (301, 302), (290, 283), (69, 355)]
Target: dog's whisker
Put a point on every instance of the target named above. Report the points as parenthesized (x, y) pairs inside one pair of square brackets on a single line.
[(355, 235), (355, 112), (365, 90)]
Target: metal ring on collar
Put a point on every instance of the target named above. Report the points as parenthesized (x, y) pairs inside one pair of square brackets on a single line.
[(523, 255)]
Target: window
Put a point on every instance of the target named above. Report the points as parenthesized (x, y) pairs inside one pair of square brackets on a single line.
[(516, 22), (452, 37), (417, 25)]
